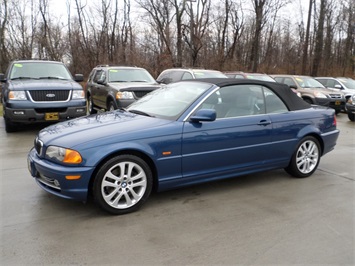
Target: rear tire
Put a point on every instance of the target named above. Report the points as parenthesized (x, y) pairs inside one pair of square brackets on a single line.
[(305, 159), (351, 116)]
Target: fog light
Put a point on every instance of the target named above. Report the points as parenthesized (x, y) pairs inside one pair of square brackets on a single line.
[(56, 183), (80, 110), (19, 112)]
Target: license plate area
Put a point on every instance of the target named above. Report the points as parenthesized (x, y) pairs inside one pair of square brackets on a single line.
[(51, 116)]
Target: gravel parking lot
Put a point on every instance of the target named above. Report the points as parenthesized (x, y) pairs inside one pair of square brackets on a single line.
[(267, 218)]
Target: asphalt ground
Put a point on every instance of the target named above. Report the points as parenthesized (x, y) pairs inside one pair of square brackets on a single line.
[(268, 218)]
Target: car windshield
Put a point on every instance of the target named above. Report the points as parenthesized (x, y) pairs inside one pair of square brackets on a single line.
[(260, 77), (307, 82), (349, 83), (39, 70), (204, 74), (170, 101), (129, 75)]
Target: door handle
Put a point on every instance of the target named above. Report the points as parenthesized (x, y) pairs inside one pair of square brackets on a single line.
[(264, 122)]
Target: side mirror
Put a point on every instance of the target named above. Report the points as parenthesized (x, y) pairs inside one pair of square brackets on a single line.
[(2, 77), (293, 87), (78, 77), (207, 115), (338, 86), (102, 80)]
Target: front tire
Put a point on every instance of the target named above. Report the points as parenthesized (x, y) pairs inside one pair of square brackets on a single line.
[(123, 184), (90, 105), (9, 126), (111, 106), (305, 159), (351, 116)]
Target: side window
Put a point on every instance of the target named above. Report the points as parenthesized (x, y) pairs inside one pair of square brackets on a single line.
[(273, 103), (99, 76), (328, 83), (289, 82), (91, 76), (165, 77), (235, 101), (186, 75), (176, 75)]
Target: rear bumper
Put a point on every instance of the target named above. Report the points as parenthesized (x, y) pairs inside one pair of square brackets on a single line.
[(329, 140)]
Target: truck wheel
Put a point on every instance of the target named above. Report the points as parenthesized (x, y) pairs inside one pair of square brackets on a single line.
[(9, 126), (90, 105), (110, 106)]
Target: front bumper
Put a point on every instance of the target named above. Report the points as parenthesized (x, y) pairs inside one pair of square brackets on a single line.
[(335, 104), (350, 108), (123, 103), (53, 177), (22, 115)]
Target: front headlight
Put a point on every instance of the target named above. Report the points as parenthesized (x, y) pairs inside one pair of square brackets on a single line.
[(124, 95), (63, 155), (351, 100), (78, 94), (320, 95), (17, 95)]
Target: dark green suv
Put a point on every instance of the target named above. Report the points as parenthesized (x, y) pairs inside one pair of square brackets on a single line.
[(40, 91), (113, 87)]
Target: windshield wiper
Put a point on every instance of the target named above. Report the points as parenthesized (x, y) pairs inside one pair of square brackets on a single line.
[(22, 78), (140, 113), (50, 77), (118, 81)]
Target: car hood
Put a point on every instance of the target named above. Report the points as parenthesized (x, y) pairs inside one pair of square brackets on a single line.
[(132, 86), (119, 124), (43, 84), (323, 90)]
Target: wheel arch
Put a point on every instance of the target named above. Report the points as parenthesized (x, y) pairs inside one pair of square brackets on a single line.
[(317, 137), (111, 98), (137, 153)]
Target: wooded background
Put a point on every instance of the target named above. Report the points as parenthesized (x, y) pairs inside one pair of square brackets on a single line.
[(240, 35)]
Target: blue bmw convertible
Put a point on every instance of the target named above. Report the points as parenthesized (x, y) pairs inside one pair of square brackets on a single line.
[(185, 133)]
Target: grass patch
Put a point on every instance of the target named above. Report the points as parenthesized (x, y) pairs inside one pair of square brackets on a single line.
[(0, 109)]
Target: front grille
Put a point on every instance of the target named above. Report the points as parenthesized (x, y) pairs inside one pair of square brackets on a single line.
[(38, 146), (335, 96), (50, 95), (140, 94)]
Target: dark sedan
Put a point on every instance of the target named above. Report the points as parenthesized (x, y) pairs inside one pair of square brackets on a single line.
[(185, 133)]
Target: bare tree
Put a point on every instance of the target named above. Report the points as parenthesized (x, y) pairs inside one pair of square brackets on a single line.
[(4, 55), (318, 49), (306, 40), (197, 28)]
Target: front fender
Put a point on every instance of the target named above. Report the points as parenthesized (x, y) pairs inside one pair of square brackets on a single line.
[(97, 155)]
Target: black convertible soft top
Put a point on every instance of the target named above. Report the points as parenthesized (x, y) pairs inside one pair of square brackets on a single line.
[(290, 98)]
